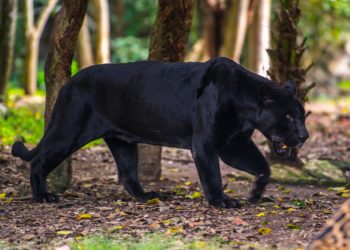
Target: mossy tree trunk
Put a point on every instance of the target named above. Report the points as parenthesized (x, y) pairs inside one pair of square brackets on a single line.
[(8, 18), (286, 55), (168, 43), (68, 22)]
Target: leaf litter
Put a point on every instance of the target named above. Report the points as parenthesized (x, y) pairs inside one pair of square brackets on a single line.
[(289, 216)]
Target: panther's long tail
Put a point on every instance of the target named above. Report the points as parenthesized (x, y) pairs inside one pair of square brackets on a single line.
[(21, 151)]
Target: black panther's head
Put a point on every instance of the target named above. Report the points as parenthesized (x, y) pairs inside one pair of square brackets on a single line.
[(281, 117)]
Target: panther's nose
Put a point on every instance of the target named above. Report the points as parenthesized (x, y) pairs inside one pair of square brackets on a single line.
[(303, 138)]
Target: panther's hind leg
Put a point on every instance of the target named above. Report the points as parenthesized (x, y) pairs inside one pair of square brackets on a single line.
[(126, 157), (247, 157), (59, 142)]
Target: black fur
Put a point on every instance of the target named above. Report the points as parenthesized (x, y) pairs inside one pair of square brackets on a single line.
[(211, 108)]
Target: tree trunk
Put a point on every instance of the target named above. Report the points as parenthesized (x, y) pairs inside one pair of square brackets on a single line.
[(102, 30), (84, 53), (33, 34), (8, 18), (235, 29), (213, 15), (68, 22), (285, 55), (168, 42), (259, 38)]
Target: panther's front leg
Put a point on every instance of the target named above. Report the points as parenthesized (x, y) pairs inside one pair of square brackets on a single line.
[(207, 164), (245, 156)]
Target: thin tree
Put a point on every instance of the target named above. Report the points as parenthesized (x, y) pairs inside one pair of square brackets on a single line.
[(8, 18), (168, 42), (102, 31), (84, 53), (286, 56), (68, 22), (235, 29), (33, 32), (259, 37)]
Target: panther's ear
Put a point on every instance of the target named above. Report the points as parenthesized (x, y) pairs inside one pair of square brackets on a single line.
[(266, 95), (291, 87)]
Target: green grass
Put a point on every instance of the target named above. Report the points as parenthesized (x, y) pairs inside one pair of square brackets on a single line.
[(25, 123), (21, 123), (149, 242), (344, 85)]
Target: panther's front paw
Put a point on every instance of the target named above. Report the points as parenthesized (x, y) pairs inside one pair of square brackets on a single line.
[(47, 197), (226, 202), (255, 197), (149, 195)]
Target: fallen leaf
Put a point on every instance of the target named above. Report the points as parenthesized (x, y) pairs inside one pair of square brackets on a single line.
[(7, 200), (120, 203), (64, 232), (326, 211), (195, 195), (239, 221), (2, 196), (180, 191), (174, 230), (154, 225), (293, 226), (264, 230), (84, 217), (28, 236), (153, 201), (167, 222), (336, 189), (228, 191), (262, 214), (188, 183)]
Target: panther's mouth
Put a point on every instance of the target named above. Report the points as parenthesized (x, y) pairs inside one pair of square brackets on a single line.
[(280, 148)]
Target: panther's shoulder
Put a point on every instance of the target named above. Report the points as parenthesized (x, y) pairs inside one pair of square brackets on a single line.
[(335, 234)]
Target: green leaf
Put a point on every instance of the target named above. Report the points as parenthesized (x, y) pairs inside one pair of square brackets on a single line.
[(195, 195), (299, 203), (293, 226)]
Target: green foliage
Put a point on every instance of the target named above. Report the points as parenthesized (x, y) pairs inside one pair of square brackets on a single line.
[(344, 85), (129, 49), (326, 21), (150, 242), (139, 17), (26, 123), (22, 122)]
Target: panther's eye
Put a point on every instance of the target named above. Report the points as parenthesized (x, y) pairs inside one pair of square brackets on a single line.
[(289, 117)]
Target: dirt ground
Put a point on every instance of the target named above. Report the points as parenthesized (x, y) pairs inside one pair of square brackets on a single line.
[(287, 218)]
